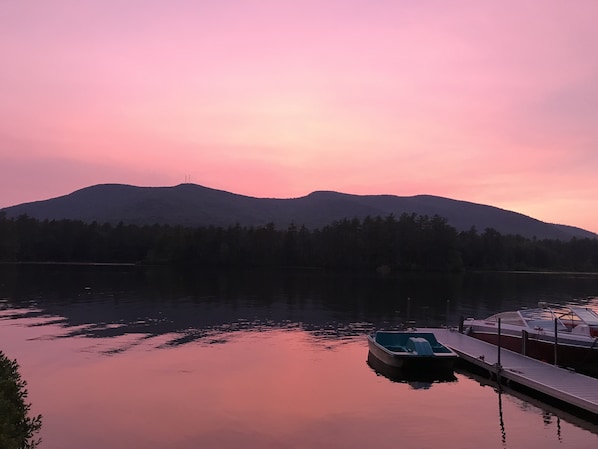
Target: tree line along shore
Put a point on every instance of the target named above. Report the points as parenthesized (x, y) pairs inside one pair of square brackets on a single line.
[(408, 243)]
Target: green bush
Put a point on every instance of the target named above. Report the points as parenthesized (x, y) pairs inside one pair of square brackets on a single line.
[(17, 428)]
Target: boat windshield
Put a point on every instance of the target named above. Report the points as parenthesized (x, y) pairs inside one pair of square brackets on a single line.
[(508, 318), (588, 316), (543, 318), (532, 318)]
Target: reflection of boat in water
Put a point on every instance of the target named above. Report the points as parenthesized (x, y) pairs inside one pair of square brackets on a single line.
[(533, 332), (417, 381), (415, 354)]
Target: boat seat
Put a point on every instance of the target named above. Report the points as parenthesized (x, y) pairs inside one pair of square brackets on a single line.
[(419, 346), (581, 329)]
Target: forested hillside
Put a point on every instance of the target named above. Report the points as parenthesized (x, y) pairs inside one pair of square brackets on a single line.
[(192, 205), (410, 242)]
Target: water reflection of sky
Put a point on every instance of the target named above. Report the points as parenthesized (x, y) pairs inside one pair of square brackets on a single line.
[(267, 387), (122, 358)]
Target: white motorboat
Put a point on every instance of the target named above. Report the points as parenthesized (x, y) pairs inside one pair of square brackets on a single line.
[(567, 336)]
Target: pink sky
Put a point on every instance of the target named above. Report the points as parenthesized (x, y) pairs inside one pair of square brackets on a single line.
[(490, 102)]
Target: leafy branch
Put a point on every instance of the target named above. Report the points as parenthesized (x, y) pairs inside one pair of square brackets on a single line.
[(17, 428)]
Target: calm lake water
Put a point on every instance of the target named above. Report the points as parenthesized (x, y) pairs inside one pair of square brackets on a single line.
[(124, 357)]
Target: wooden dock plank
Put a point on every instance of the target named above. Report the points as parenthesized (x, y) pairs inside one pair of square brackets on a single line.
[(566, 385)]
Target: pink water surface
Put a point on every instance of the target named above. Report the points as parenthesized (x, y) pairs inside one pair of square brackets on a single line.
[(275, 388)]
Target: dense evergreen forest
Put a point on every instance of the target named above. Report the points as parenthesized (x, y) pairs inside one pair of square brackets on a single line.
[(410, 242)]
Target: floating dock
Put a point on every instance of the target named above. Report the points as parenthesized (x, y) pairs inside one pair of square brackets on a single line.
[(571, 388)]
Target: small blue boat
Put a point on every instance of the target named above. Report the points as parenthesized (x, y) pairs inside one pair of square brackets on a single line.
[(412, 351)]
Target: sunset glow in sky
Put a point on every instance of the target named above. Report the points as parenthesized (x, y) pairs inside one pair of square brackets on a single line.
[(489, 102)]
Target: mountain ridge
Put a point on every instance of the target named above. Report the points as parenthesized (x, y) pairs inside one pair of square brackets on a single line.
[(196, 205)]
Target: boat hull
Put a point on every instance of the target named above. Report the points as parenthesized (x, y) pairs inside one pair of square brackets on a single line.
[(416, 378), (569, 354), (413, 363)]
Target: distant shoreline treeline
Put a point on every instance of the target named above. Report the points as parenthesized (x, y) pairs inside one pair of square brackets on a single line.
[(408, 243)]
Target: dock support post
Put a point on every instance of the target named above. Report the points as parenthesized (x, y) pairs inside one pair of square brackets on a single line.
[(524, 341), (461, 319), (498, 342), (556, 341), (498, 365)]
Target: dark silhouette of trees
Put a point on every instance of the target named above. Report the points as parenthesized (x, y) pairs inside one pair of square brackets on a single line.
[(407, 243), (17, 428)]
